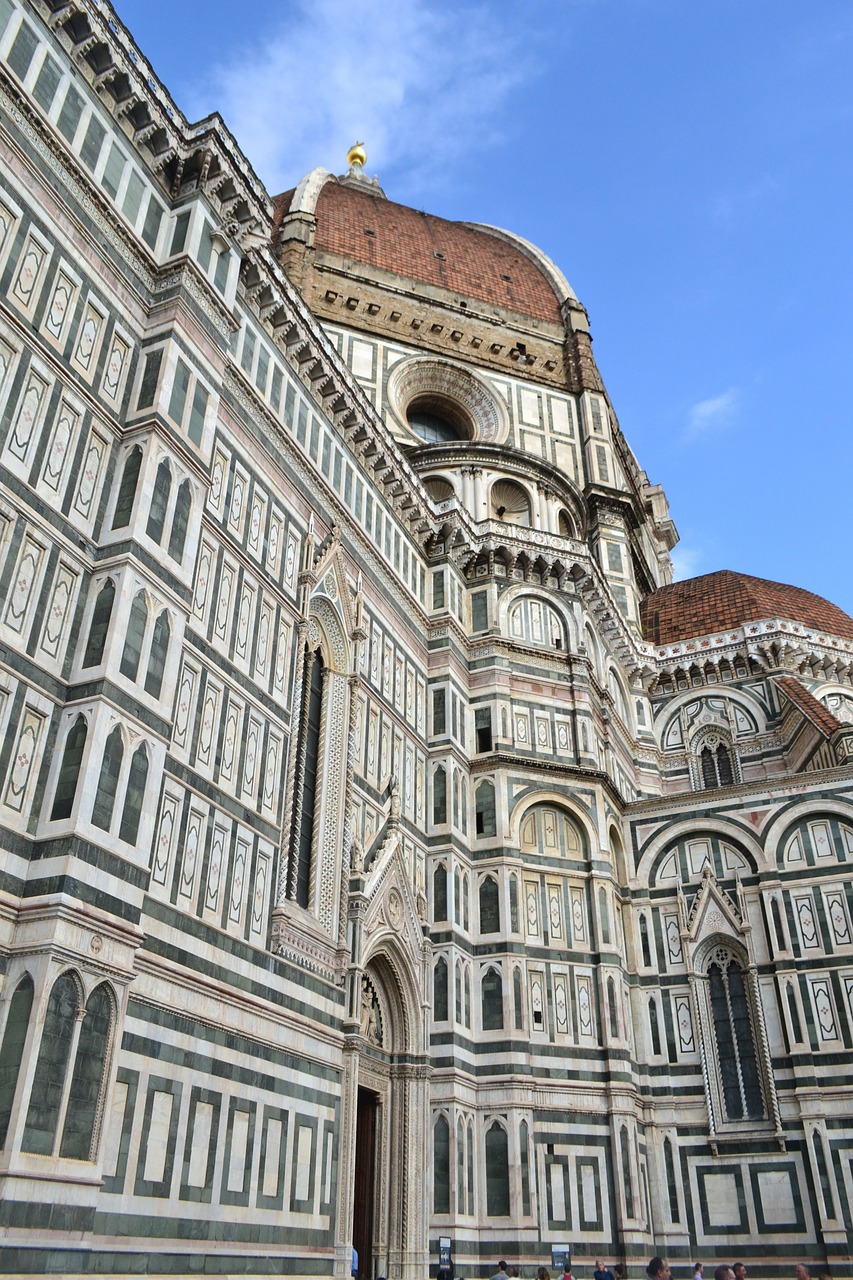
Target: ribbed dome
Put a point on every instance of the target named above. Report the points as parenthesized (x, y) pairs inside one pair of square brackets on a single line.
[(472, 262), (719, 601)]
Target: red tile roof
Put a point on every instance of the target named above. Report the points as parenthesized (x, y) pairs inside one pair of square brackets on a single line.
[(419, 246), (814, 711), (719, 601)]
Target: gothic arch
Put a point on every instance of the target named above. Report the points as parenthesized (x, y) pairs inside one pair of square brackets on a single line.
[(393, 974), (389, 1076), (713, 758), (326, 632)]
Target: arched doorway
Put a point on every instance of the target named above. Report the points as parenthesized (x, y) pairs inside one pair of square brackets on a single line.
[(386, 1086)]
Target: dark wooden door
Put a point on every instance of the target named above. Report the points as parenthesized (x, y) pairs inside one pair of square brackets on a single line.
[(365, 1172)]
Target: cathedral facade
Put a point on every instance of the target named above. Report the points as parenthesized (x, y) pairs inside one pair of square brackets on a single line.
[(392, 856)]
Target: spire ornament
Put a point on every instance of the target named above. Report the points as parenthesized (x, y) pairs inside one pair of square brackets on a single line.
[(356, 157)]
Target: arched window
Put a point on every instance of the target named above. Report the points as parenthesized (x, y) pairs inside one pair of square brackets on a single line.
[(535, 621), (105, 796), (159, 502), (460, 1165), (497, 1172), (12, 1049), (69, 771), (716, 764), (439, 796), (484, 809), (492, 993), (653, 1025), (611, 1007), (566, 526), (470, 1167), (441, 1166), (466, 915), (458, 994), (134, 637), (439, 990), (88, 1077), (823, 1174), (516, 999), (724, 766), (674, 1211), (134, 797), (618, 695), (777, 923), (628, 1181), (48, 1088), (794, 1014), (524, 1161), (734, 1040), (310, 755), (180, 522), (604, 914), (467, 989), (513, 904), (644, 941), (550, 831), (99, 625), (158, 655), (490, 910), (127, 489), (439, 892)]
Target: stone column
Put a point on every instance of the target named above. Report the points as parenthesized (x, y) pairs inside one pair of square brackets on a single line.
[(479, 497), (346, 1157), (467, 488)]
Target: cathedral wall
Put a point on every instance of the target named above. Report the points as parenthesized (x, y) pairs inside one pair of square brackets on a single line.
[(503, 899)]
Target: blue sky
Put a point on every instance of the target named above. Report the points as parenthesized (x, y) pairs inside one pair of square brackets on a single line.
[(685, 162)]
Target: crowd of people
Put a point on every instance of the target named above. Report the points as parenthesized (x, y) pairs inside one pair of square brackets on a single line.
[(658, 1269)]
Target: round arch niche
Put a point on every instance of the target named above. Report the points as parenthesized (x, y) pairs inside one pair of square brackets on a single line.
[(440, 402)]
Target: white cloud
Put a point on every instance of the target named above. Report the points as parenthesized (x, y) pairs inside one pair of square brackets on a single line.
[(686, 562), (713, 413), (418, 82)]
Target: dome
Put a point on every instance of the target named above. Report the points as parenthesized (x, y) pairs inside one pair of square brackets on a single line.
[(478, 263), (722, 600)]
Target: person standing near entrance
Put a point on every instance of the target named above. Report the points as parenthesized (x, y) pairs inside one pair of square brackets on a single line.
[(354, 1265), (501, 1274), (601, 1272)]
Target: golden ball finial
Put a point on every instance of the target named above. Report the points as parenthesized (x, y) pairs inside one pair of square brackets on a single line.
[(357, 155)]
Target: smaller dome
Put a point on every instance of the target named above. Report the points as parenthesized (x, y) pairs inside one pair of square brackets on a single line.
[(719, 601)]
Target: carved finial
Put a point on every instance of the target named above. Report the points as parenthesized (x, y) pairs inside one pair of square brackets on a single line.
[(359, 603), (394, 790)]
